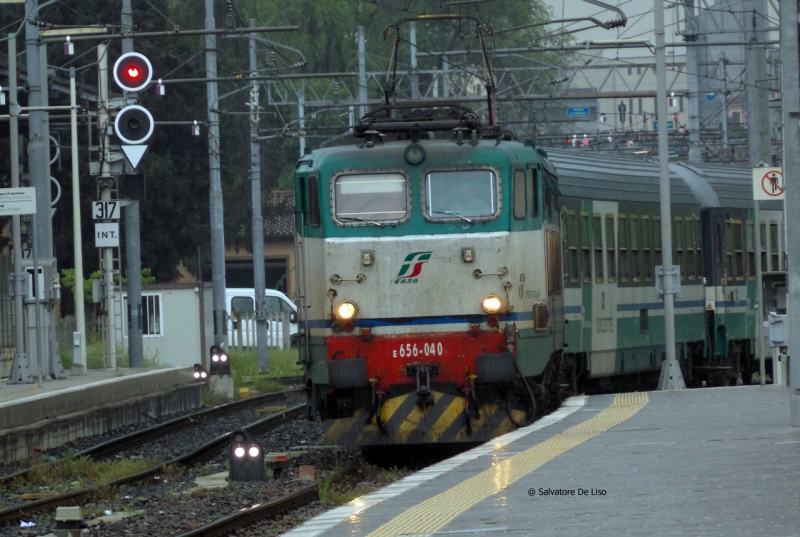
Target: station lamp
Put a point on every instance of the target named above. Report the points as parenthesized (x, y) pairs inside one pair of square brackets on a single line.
[(247, 458), (219, 363)]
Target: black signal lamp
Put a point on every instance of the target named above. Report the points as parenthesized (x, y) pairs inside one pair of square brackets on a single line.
[(200, 374), (219, 364), (247, 458)]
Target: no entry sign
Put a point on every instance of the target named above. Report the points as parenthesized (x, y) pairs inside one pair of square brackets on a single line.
[(768, 184)]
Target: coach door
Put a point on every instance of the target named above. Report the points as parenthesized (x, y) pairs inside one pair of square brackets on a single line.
[(604, 288)]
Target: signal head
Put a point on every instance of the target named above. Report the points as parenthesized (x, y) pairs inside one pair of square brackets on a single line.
[(133, 71), (134, 124)]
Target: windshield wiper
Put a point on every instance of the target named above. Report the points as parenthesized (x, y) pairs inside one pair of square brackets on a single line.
[(461, 216), (359, 219)]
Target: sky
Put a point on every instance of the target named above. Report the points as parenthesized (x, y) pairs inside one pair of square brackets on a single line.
[(640, 21)]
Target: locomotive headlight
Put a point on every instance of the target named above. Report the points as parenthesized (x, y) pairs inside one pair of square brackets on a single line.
[(492, 304), (347, 310)]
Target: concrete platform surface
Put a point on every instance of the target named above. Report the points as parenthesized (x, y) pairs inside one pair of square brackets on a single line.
[(24, 404), (707, 462)]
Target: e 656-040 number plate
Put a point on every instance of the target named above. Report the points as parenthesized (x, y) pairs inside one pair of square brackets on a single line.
[(414, 350)]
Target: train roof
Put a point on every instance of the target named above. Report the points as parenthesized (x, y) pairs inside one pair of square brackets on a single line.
[(622, 178)]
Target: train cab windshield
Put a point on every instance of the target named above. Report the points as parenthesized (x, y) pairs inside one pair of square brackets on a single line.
[(372, 199), (467, 195)]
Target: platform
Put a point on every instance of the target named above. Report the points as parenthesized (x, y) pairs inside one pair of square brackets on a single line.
[(709, 462), (102, 400)]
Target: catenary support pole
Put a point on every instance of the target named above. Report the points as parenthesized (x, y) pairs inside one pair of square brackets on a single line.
[(38, 151), (104, 121), (723, 63), (215, 186), (413, 76), (258, 218), (20, 368), (790, 116), (758, 143), (671, 376), (362, 72), (693, 82), (80, 317)]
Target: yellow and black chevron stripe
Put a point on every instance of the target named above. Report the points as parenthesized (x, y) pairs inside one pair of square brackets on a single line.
[(405, 422)]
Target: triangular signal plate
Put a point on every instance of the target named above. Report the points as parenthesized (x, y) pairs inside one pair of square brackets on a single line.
[(134, 153)]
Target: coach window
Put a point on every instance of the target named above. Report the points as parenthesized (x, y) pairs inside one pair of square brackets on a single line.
[(647, 258), (534, 194), (611, 248), (572, 247), (751, 251), (698, 248), (520, 195), (738, 249), (689, 249), (461, 195), (586, 259), (774, 247), (763, 230), (597, 236), (313, 198), (636, 262), (729, 250), (624, 266), (658, 261), (679, 235)]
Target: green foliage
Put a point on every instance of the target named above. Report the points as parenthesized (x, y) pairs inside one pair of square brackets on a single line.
[(175, 216), (244, 366), (78, 472)]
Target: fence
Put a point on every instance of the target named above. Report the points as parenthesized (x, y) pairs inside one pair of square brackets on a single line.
[(95, 331), (7, 343), (242, 330)]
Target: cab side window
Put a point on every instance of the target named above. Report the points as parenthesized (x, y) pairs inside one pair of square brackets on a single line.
[(313, 201), (242, 304)]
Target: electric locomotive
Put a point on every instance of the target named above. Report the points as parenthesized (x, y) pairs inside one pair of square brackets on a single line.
[(430, 294)]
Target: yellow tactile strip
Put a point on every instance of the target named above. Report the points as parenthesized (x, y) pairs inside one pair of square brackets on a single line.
[(433, 514)]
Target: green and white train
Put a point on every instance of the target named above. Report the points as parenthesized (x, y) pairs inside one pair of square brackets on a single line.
[(612, 243)]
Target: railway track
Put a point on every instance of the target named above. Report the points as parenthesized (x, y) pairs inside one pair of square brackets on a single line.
[(196, 456), (137, 438), (245, 517)]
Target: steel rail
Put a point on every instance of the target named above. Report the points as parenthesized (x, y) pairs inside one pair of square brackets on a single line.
[(203, 452), (137, 438), (261, 511)]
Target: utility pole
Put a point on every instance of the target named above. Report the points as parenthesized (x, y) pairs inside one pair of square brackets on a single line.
[(106, 186), (38, 156), (790, 116), (215, 187), (671, 376), (693, 83), (362, 73), (724, 90), (20, 370), (258, 219), (133, 247), (414, 76), (759, 145)]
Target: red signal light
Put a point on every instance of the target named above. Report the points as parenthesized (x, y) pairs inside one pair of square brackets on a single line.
[(133, 71)]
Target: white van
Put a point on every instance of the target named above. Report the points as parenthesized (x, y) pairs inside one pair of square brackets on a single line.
[(240, 303)]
